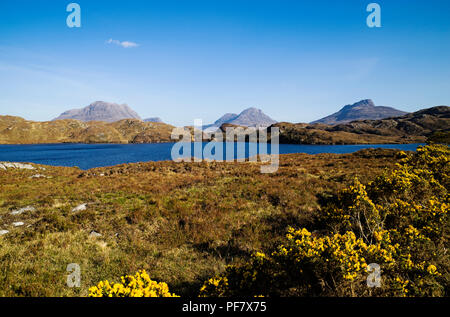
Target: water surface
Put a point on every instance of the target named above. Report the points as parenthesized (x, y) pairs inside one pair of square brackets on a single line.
[(87, 156)]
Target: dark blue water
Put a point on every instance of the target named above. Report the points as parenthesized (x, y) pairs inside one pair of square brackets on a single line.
[(87, 156)]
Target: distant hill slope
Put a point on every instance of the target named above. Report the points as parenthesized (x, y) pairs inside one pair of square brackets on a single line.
[(15, 130), (414, 127), (226, 118), (362, 110), (100, 111), (250, 117), (153, 119)]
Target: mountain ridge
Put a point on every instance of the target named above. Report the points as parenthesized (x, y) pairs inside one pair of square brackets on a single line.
[(100, 111), (415, 127), (361, 110), (250, 117)]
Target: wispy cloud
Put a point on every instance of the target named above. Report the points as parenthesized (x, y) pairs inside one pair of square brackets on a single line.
[(124, 44), (359, 69)]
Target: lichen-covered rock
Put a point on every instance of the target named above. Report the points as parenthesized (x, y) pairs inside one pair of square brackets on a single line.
[(22, 210), (81, 207), (6, 165)]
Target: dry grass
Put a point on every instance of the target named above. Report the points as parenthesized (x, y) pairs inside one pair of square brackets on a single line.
[(182, 222)]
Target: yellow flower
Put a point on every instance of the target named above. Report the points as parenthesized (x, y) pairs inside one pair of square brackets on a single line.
[(139, 285), (432, 269)]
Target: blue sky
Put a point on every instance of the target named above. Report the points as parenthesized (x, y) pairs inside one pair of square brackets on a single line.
[(296, 60)]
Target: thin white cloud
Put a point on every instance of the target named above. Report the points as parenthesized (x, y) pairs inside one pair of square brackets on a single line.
[(124, 44), (361, 68)]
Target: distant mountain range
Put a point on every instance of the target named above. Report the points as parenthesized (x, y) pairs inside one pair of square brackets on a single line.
[(417, 127), (251, 117), (362, 122), (113, 112), (362, 110)]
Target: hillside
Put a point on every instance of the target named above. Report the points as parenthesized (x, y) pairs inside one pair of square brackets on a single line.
[(411, 128), (100, 111), (362, 110), (16, 130)]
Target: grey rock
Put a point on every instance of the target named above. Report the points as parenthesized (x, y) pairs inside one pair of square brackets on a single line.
[(94, 234), (18, 224), (81, 207), (2, 232), (22, 210), (39, 176), (6, 165)]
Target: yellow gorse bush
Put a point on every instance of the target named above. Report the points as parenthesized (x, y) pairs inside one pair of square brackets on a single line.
[(398, 221), (138, 285)]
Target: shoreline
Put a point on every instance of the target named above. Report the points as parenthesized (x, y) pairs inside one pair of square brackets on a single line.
[(205, 160), (164, 142)]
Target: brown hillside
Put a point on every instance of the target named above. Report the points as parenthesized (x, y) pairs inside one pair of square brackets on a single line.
[(415, 127), (15, 130)]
